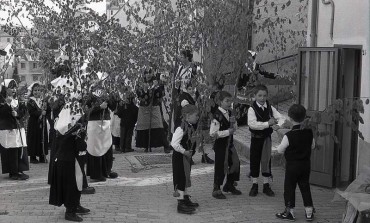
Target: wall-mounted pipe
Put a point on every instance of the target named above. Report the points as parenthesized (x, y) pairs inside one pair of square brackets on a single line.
[(327, 2), (314, 20)]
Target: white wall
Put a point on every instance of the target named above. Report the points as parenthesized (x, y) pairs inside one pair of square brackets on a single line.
[(351, 27)]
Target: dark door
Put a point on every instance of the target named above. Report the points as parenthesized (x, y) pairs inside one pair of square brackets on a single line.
[(317, 89), (349, 91)]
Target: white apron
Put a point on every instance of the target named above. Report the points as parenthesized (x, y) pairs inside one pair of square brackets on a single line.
[(99, 138), (13, 138)]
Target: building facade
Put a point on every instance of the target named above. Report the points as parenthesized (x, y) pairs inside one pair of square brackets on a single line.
[(335, 68), (23, 62)]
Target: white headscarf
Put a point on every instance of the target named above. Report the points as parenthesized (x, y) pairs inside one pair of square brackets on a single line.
[(31, 86), (8, 81), (66, 120)]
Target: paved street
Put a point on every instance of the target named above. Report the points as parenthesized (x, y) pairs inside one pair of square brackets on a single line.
[(143, 193)]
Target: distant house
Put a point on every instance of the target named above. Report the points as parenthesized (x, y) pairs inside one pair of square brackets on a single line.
[(29, 69), (23, 59), (336, 66)]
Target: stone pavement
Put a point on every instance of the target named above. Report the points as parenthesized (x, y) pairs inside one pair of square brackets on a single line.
[(143, 193)]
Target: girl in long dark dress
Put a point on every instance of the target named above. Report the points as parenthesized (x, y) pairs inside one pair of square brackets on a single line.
[(13, 147), (37, 134), (67, 178)]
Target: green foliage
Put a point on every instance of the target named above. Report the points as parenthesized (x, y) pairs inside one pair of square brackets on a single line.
[(155, 33), (346, 112)]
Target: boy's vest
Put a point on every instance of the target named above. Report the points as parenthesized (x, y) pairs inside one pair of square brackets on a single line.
[(300, 141), (189, 130), (224, 125), (262, 116)]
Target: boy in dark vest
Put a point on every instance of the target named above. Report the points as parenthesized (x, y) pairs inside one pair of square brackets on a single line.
[(227, 162), (183, 143), (296, 146), (262, 120)]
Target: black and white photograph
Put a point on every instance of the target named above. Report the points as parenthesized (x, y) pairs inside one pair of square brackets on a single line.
[(185, 111)]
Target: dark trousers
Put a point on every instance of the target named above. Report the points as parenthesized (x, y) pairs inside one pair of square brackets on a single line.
[(219, 175), (297, 172), (255, 157), (82, 160), (101, 166), (178, 171), (126, 137)]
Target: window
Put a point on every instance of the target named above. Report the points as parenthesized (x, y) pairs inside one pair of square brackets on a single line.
[(35, 78), (111, 12), (23, 78), (8, 40), (23, 66), (34, 65)]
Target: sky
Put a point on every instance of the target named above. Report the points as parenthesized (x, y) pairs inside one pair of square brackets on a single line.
[(99, 7)]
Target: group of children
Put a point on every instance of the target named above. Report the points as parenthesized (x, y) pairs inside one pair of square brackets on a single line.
[(66, 188), (263, 119)]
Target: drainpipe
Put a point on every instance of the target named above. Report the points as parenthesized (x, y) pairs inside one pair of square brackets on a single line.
[(327, 2), (314, 19)]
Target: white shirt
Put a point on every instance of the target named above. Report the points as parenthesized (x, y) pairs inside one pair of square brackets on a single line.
[(176, 139), (285, 143), (214, 130), (257, 125)]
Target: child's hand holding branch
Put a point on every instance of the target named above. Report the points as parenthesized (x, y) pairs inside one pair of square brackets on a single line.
[(231, 131), (272, 122), (188, 154)]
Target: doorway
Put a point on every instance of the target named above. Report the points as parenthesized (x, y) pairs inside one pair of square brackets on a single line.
[(349, 82)]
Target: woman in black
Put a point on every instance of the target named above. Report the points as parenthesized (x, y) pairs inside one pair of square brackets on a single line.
[(67, 178), (37, 133), (149, 128), (13, 147)]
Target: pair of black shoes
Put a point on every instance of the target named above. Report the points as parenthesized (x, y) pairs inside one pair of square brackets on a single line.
[(18, 176), (287, 214), (266, 190), (206, 159), (217, 193), (230, 188), (111, 175), (186, 206), (88, 190), (71, 215)]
